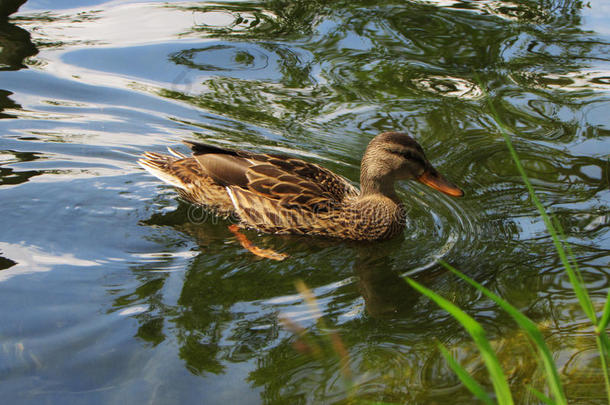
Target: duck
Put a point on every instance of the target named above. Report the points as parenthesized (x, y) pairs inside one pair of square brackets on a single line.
[(279, 194)]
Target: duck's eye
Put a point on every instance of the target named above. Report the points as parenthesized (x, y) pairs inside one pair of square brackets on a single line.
[(409, 155), (412, 156)]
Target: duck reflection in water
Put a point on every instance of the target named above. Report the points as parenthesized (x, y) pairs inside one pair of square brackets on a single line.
[(385, 292)]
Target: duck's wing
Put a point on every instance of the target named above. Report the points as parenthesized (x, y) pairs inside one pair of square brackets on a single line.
[(291, 183), (310, 175)]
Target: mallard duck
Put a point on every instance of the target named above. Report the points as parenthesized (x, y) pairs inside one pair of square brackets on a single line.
[(285, 195)]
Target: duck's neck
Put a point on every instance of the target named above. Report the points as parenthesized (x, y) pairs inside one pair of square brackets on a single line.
[(371, 185)]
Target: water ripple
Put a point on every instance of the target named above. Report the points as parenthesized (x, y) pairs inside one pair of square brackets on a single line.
[(222, 57), (450, 87)]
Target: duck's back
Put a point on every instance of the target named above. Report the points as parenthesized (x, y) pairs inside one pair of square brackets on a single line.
[(272, 193)]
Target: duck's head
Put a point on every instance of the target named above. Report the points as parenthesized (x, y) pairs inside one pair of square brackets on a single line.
[(393, 156)]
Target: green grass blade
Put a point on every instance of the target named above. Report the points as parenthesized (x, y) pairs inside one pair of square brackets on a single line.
[(602, 347), (530, 329), (603, 343), (541, 396), (578, 283), (477, 333), (466, 378), (603, 322), (601, 337), (579, 290)]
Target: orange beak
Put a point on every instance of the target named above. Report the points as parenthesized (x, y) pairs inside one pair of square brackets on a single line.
[(433, 179)]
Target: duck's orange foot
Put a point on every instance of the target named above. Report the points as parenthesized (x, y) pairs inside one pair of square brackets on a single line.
[(266, 253)]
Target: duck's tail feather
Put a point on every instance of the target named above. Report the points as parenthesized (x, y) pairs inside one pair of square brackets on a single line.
[(160, 166), (176, 154)]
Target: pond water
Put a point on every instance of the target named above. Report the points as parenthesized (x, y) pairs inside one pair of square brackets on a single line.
[(110, 290)]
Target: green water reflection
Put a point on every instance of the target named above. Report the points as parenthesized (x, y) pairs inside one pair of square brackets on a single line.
[(113, 289)]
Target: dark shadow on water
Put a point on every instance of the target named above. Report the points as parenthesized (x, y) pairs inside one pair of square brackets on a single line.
[(15, 42), (8, 7), (9, 176), (16, 45), (6, 263), (6, 103)]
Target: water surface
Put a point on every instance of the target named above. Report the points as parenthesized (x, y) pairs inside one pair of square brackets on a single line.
[(112, 290)]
